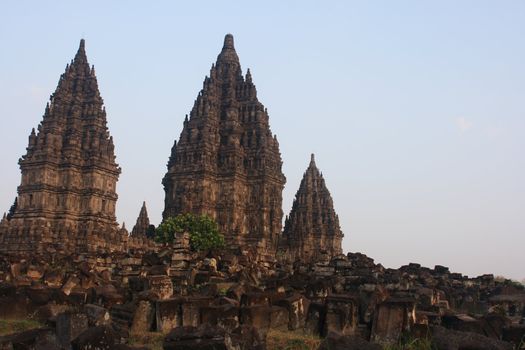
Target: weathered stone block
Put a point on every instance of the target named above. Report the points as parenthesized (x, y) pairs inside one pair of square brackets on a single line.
[(514, 334), (40, 295), (448, 339), (297, 306), (315, 318), (193, 338), (53, 278), (97, 315), (96, 338), (143, 317), (191, 310), (248, 338), (341, 314), (391, 319), (257, 316), (69, 326), (40, 338), (225, 316), (35, 272), (279, 318), (49, 311), (158, 270), (137, 283), (251, 299), (162, 286), (168, 314), (70, 284)]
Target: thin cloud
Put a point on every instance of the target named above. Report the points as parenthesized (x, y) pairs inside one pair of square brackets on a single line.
[(495, 132), (463, 124)]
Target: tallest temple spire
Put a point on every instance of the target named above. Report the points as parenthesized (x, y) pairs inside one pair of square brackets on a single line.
[(69, 172), (227, 163)]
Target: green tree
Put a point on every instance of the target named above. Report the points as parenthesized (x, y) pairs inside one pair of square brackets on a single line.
[(203, 230)]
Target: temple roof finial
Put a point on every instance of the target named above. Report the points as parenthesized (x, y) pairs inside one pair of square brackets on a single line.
[(228, 54), (80, 60), (312, 159), (228, 42), (81, 48)]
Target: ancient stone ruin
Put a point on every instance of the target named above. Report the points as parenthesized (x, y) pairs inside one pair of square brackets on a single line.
[(67, 197), (87, 283), (143, 225), (312, 230), (226, 163)]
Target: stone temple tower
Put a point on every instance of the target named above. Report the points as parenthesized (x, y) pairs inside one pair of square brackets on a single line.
[(69, 174), (312, 229), (142, 225), (227, 163)]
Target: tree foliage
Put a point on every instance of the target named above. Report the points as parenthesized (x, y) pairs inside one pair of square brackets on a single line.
[(203, 230)]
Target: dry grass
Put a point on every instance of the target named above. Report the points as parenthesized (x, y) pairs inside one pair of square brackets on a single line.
[(291, 340), (411, 344), (10, 326), (151, 340)]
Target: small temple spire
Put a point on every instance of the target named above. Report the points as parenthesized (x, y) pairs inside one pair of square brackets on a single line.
[(320, 234), (142, 225)]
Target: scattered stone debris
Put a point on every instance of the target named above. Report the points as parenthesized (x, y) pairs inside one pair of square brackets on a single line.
[(110, 299)]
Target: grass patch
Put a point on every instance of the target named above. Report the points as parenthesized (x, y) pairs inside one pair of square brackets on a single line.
[(411, 344), (10, 326), (152, 340), (291, 340)]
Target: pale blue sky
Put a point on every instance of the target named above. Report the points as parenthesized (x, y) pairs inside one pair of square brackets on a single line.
[(414, 109)]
